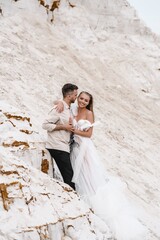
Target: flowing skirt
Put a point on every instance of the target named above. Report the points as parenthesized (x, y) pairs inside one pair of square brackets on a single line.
[(104, 193)]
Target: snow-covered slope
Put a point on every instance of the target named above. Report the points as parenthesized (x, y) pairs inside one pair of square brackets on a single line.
[(104, 48)]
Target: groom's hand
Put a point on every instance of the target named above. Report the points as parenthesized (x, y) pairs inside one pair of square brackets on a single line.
[(70, 121), (68, 127)]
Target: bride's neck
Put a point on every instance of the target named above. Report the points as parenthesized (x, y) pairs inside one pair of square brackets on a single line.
[(81, 110), (81, 114)]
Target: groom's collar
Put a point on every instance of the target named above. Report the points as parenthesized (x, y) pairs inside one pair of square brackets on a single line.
[(66, 105)]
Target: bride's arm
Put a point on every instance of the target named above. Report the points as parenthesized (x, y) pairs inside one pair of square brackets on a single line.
[(87, 133), (59, 106)]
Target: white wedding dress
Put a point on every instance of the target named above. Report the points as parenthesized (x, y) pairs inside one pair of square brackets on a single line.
[(104, 193)]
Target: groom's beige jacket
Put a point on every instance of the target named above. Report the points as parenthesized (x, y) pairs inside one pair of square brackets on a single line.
[(58, 139)]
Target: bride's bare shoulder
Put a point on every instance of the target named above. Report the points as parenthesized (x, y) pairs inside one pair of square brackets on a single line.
[(89, 114)]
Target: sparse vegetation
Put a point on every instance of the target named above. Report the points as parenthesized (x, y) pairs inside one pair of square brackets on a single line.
[(1, 12), (49, 7), (54, 5)]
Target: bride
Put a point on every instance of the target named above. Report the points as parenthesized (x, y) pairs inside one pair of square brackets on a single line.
[(104, 193)]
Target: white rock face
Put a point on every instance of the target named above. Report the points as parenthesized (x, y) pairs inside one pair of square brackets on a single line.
[(19, 137), (34, 205), (114, 16), (105, 49)]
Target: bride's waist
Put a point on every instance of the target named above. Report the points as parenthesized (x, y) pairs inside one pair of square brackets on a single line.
[(80, 139)]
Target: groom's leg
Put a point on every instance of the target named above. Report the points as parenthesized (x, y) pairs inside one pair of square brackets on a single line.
[(63, 162)]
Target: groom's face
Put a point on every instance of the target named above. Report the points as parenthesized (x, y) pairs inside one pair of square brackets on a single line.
[(73, 96)]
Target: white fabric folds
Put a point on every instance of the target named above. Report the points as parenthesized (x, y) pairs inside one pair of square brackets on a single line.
[(104, 193)]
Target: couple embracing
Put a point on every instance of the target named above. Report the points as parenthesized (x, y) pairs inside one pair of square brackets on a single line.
[(82, 169), (62, 125)]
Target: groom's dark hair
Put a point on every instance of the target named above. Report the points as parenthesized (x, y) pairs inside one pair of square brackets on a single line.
[(68, 88)]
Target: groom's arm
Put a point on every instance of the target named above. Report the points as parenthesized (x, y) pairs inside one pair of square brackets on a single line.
[(52, 122)]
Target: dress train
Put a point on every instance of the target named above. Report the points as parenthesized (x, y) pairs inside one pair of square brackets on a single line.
[(104, 193)]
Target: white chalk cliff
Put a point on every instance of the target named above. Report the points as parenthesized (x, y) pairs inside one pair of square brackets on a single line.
[(104, 48), (33, 204)]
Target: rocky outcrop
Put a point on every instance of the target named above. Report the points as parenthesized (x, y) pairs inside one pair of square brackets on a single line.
[(19, 137), (115, 16), (33, 204)]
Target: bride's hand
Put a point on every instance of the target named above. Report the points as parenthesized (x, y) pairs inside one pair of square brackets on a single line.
[(59, 106), (87, 133), (75, 131), (68, 127)]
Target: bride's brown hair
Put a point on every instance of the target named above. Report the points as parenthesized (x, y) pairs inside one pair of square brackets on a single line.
[(90, 104)]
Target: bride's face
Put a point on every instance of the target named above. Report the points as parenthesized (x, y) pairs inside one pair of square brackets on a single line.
[(83, 100)]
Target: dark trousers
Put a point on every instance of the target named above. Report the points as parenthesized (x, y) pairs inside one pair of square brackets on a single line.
[(63, 162)]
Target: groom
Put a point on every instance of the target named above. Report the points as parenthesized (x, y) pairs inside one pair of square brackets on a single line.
[(59, 131)]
